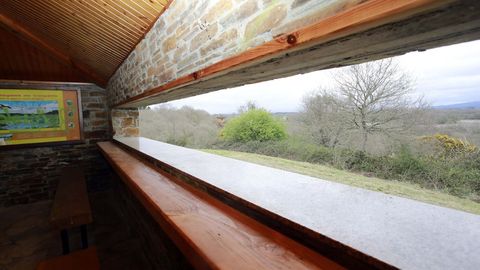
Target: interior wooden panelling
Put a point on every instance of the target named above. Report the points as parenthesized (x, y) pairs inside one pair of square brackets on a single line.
[(23, 61), (96, 35)]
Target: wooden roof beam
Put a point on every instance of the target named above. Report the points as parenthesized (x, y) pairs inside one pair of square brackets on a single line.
[(63, 57)]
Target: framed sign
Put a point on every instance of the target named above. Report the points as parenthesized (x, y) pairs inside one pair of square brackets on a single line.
[(30, 116)]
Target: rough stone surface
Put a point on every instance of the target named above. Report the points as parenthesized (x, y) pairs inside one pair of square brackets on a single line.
[(455, 23), (220, 8), (191, 35), (31, 174), (245, 10), (203, 37), (265, 21), (169, 44), (125, 122)]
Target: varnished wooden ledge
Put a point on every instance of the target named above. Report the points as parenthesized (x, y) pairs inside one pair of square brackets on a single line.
[(331, 248), (210, 234), (357, 227)]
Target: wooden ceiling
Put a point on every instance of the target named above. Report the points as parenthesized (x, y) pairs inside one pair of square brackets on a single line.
[(90, 39), (21, 60)]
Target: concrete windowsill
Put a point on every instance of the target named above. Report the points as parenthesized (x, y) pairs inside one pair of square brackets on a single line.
[(398, 231)]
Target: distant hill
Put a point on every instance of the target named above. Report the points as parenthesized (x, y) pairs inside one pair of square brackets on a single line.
[(284, 113), (467, 105)]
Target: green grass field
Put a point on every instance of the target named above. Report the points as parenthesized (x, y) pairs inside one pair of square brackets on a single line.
[(397, 188), (29, 121)]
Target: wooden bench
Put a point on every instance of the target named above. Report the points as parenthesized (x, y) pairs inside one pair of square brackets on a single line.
[(209, 233), (86, 259), (71, 207)]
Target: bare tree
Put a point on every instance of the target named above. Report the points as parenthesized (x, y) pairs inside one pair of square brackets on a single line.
[(185, 126), (250, 105), (376, 98), (323, 117)]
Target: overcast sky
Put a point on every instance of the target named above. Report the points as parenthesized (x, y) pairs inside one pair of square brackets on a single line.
[(445, 75), (30, 106)]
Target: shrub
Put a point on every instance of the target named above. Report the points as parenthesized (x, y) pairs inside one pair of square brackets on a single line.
[(460, 176), (254, 125), (449, 146), (405, 164)]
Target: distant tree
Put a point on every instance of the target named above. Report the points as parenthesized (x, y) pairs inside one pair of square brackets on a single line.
[(253, 125), (251, 105), (6, 112), (376, 98), (185, 126), (323, 118)]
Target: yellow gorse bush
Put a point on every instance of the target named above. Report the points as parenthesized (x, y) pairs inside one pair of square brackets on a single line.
[(450, 146)]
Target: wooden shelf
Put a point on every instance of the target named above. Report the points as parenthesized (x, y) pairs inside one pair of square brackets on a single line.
[(210, 234)]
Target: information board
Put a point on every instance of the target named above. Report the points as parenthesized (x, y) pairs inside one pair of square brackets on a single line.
[(39, 116)]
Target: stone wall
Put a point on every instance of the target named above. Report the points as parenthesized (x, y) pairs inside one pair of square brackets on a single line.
[(31, 174), (125, 122), (191, 35)]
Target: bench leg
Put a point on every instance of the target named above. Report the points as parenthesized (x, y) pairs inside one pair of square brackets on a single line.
[(65, 245), (83, 233)]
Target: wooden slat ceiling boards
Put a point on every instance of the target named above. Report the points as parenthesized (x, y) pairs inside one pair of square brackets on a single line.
[(20, 60), (91, 37)]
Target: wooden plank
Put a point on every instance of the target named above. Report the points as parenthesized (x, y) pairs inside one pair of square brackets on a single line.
[(86, 259), (122, 9), (63, 57), (53, 23), (361, 17), (210, 234), (148, 9), (93, 35), (26, 62), (71, 207), (88, 14), (51, 16)]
